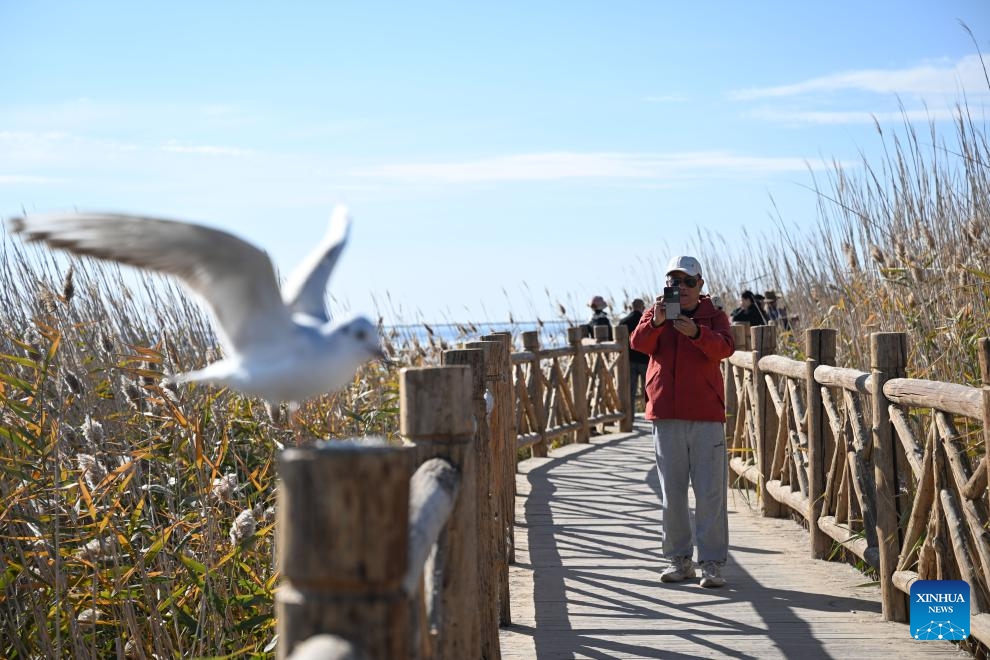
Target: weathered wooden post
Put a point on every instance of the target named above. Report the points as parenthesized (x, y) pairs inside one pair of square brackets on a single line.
[(531, 343), (495, 359), (600, 334), (820, 349), (984, 356), (505, 401), (623, 384), (487, 599), (579, 384), (764, 343), (342, 536), (435, 415), (740, 337), (888, 359), (735, 434)]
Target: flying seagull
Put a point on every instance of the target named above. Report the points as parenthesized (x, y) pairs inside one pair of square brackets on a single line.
[(281, 346)]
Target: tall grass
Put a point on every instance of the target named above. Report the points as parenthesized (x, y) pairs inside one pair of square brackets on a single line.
[(136, 519), (900, 245)]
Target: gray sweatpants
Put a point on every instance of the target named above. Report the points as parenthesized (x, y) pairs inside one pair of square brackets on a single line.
[(692, 452)]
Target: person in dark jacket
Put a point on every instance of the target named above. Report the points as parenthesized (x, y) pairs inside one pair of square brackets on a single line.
[(774, 312), (598, 317), (748, 310), (686, 403), (637, 361)]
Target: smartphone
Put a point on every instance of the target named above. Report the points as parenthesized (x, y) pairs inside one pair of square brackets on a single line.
[(672, 302)]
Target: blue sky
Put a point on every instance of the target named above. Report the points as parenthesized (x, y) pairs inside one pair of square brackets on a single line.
[(488, 152)]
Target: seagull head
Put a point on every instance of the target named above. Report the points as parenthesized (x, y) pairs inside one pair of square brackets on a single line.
[(361, 336)]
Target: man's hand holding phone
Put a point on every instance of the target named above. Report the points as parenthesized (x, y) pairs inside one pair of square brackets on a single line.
[(667, 306)]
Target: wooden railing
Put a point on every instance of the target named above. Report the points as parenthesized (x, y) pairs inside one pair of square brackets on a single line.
[(877, 463), (403, 552), (561, 393)]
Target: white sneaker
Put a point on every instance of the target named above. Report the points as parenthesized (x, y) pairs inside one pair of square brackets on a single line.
[(711, 575), (681, 568)]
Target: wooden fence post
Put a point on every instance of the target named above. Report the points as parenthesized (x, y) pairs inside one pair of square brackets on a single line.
[(888, 359), (435, 414), (623, 378), (342, 537), (505, 401), (740, 333), (731, 396), (820, 349), (498, 488), (531, 343), (764, 343), (487, 600), (579, 384), (984, 357)]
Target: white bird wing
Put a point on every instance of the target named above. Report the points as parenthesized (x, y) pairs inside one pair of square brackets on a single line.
[(304, 290), (235, 278)]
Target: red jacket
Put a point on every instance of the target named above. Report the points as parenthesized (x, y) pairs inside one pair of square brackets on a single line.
[(684, 378)]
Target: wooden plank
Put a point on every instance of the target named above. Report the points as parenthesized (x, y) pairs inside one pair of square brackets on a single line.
[(905, 433), (745, 470), (792, 498), (950, 397), (920, 509), (782, 366), (848, 379), (527, 440), (742, 359), (605, 418)]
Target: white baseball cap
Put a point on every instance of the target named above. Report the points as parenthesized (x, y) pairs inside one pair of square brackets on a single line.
[(684, 264)]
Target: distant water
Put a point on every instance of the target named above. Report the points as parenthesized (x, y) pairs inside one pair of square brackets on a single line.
[(552, 333)]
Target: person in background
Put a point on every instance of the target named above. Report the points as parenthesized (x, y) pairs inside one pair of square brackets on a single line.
[(748, 310), (598, 317), (637, 361), (686, 403), (775, 313)]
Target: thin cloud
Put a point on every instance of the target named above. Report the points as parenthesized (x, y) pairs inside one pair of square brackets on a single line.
[(668, 98), (928, 79), (204, 150), (862, 116), (558, 166), (25, 179), (56, 142), (20, 148)]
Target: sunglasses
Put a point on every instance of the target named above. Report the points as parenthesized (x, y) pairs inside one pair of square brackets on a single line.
[(689, 282)]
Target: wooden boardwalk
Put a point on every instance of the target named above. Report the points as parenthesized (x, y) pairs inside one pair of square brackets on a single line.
[(586, 584)]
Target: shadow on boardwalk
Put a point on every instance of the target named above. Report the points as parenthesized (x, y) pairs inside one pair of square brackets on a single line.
[(586, 579)]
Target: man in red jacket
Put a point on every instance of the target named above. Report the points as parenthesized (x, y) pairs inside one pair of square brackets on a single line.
[(686, 402)]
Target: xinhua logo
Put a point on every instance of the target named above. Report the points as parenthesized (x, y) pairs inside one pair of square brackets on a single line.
[(939, 609)]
